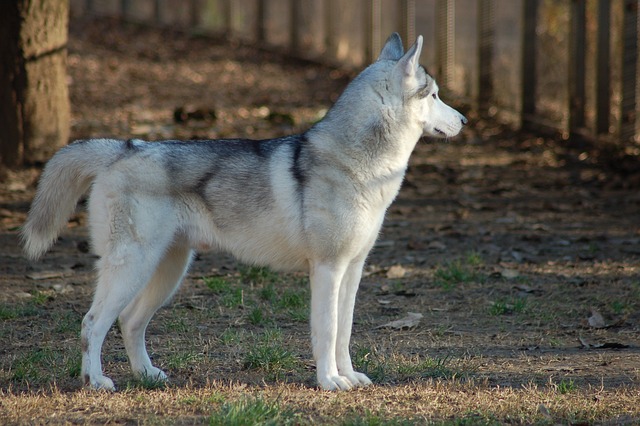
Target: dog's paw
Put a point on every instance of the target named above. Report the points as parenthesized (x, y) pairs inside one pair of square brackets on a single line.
[(100, 383), (152, 374), (358, 379), (334, 383)]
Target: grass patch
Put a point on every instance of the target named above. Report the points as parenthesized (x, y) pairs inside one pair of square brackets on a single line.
[(45, 365), (230, 336), (181, 359), (381, 369), (177, 324), (566, 386), (295, 303), (256, 316), (272, 359), (231, 294), (146, 382), (459, 271), (252, 411), (366, 361), (218, 285), (292, 299), (257, 276), (474, 259), (270, 356), (8, 312), (268, 293), (510, 306), (233, 298), (433, 368), (40, 298), (68, 322), (269, 296), (370, 419)]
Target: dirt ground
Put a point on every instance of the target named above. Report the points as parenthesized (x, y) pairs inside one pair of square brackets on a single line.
[(522, 253)]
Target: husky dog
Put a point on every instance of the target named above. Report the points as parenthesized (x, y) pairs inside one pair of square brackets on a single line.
[(312, 202)]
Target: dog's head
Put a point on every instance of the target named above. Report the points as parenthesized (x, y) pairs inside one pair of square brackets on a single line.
[(409, 83)]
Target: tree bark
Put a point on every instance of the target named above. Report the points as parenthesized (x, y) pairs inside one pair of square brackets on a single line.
[(34, 97)]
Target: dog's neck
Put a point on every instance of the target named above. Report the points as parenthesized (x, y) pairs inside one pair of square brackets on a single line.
[(371, 130), (373, 144)]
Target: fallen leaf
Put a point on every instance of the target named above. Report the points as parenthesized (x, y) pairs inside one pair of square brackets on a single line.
[(411, 320), (396, 271), (437, 245), (596, 320), (584, 343), (509, 274), (23, 295), (45, 275)]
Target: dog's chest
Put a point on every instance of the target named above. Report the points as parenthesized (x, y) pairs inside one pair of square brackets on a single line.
[(382, 190)]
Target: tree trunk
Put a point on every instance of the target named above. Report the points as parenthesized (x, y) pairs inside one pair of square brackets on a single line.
[(34, 98)]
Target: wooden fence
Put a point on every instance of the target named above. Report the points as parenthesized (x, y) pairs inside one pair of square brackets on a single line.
[(567, 65)]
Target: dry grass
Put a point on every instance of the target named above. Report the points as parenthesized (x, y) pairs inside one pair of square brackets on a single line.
[(448, 402)]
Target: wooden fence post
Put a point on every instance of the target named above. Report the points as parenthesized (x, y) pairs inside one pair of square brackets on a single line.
[(486, 40), (603, 68), (294, 29), (373, 16), (576, 72), (157, 15), (125, 8), (261, 34), (445, 41), (629, 70), (329, 31), (228, 17), (195, 13), (408, 21), (528, 61)]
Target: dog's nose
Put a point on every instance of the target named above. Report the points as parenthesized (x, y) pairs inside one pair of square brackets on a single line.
[(463, 119)]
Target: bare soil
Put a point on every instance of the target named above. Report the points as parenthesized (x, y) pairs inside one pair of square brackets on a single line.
[(521, 252)]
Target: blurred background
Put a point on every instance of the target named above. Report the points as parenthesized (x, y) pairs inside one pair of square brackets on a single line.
[(569, 65), (565, 67)]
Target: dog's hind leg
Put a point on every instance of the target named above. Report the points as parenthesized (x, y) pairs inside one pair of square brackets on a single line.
[(136, 316), (128, 262), (119, 280), (346, 303), (325, 288)]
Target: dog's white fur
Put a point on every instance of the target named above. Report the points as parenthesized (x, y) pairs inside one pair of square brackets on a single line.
[(313, 202)]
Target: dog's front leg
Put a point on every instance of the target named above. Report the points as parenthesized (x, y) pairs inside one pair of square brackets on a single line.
[(346, 303), (325, 289)]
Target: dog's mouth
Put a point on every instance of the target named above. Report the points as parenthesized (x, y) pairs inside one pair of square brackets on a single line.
[(440, 132)]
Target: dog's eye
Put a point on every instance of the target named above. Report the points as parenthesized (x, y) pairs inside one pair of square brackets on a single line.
[(434, 95)]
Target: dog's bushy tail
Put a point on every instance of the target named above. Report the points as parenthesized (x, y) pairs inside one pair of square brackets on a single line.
[(66, 177)]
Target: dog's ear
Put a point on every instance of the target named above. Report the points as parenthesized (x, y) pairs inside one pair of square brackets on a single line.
[(410, 62), (392, 49)]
